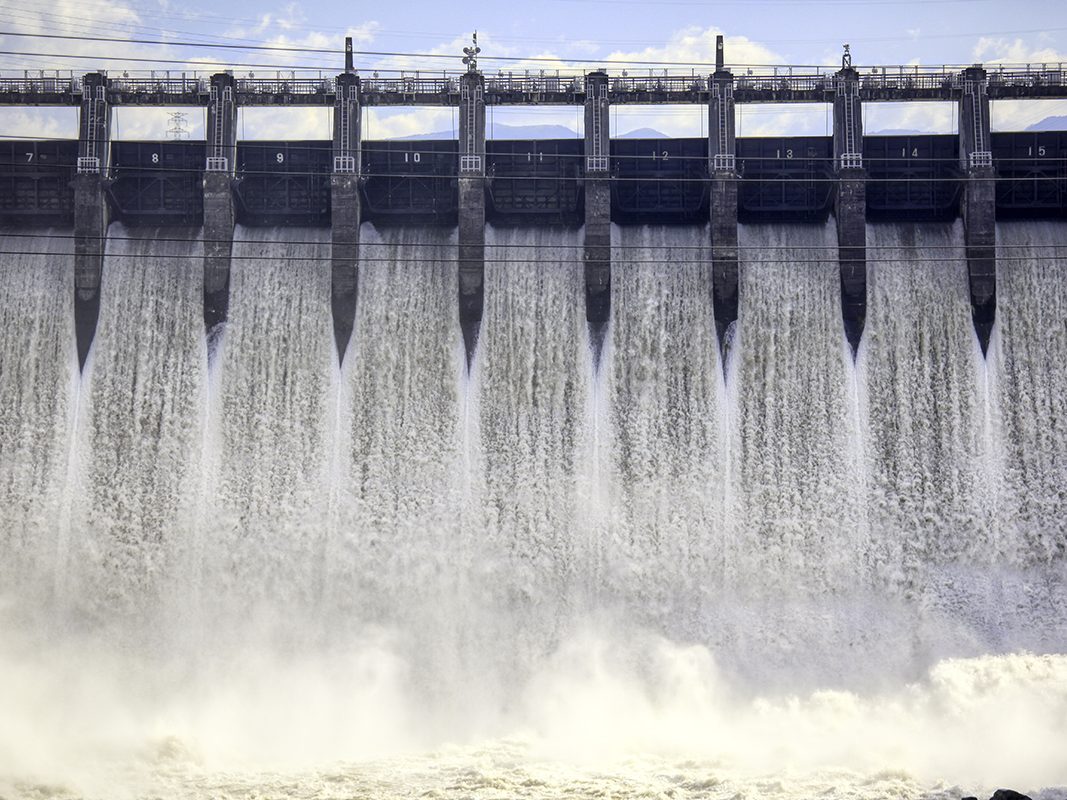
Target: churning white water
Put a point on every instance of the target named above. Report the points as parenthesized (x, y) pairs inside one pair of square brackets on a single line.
[(785, 574)]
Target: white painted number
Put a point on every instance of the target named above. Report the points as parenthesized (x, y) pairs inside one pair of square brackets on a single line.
[(1041, 151), (155, 158), (29, 157), (280, 157), (417, 157)]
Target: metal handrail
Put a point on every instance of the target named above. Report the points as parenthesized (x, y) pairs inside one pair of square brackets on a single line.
[(40, 85), (179, 86), (285, 85)]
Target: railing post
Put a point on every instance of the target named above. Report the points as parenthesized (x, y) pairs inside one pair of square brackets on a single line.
[(90, 208), (219, 173), (345, 208), (597, 245), (722, 165), (979, 201), (850, 203), (471, 169)]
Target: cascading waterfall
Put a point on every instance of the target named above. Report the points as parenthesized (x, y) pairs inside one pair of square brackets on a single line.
[(270, 426), (531, 386), (664, 535), (1029, 421), (401, 542), (138, 437), (36, 405), (404, 485), (794, 560), (1030, 357), (929, 502), (793, 459)]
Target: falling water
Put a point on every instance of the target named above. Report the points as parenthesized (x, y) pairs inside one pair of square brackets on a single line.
[(929, 498), (1029, 421), (138, 438), (788, 573), (36, 403), (403, 484), (793, 458), (270, 427), (664, 383), (532, 380)]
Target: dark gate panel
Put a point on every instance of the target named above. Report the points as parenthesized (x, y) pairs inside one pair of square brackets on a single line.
[(284, 183), (157, 183), (35, 181), (411, 181), (535, 182), (912, 177), (786, 178), (1031, 174), (659, 180)]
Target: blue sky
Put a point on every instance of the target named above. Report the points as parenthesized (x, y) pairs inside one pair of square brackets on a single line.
[(574, 33)]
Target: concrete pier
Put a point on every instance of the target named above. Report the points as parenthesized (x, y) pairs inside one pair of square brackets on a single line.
[(345, 205), (850, 202), (90, 209), (722, 166), (597, 246), (471, 207), (979, 201), (218, 199)]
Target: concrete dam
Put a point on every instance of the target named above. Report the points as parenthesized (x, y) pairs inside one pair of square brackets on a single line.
[(358, 468), (591, 183)]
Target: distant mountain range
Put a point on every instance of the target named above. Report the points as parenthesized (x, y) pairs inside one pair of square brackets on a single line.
[(1050, 124), (527, 132)]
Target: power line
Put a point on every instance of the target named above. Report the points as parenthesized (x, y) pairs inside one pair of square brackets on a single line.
[(555, 245), (577, 261), (769, 253), (405, 54)]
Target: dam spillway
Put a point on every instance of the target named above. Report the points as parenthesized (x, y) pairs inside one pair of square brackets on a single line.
[(975, 174), (731, 453), (789, 504)]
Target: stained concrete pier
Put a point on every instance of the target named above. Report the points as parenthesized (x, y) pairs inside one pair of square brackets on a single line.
[(597, 245), (850, 202), (90, 209), (471, 207), (722, 166), (345, 205), (219, 172), (979, 201)]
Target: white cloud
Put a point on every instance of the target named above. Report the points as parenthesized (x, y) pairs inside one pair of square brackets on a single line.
[(394, 124), (291, 124), (990, 50), (695, 44), (1015, 115)]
